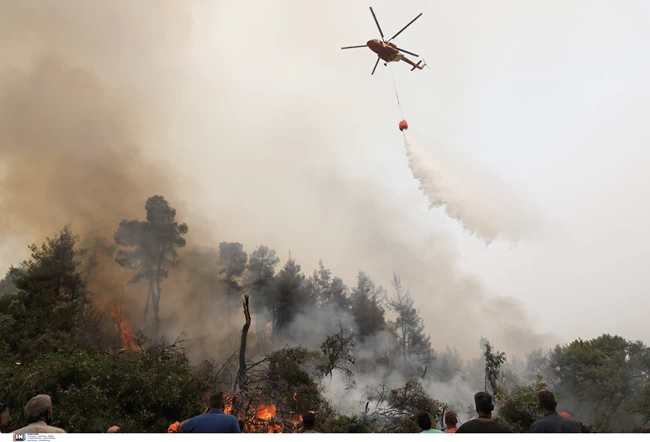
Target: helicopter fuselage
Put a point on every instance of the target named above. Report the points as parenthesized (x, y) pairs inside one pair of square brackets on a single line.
[(386, 51)]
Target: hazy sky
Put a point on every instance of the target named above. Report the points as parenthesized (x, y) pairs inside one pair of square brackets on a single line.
[(276, 136), (551, 96)]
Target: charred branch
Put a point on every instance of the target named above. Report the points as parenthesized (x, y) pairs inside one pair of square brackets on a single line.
[(242, 378)]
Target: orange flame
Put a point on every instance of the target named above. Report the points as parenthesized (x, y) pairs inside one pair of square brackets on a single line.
[(125, 330), (265, 412), (275, 428), (296, 419)]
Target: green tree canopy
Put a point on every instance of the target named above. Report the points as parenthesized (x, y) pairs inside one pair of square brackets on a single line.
[(150, 249)]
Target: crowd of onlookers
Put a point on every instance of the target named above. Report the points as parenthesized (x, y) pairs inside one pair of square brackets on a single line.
[(551, 422), (38, 413)]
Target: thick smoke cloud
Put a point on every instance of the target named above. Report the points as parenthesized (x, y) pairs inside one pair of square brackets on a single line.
[(76, 111), (80, 132), (70, 152)]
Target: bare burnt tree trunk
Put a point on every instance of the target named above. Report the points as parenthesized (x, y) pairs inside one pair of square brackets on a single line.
[(156, 298), (242, 378), (149, 299)]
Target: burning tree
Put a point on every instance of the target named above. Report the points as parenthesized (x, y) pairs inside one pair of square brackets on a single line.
[(151, 249), (266, 391)]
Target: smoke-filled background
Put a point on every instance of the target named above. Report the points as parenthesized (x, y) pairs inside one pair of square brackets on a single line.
[(248, 118)]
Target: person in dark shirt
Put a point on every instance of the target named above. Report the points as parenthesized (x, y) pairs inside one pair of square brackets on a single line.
[(583, 427), (4, 418), (552, 422), (214, 420), (484, 422), (309, 422), (425, 424)]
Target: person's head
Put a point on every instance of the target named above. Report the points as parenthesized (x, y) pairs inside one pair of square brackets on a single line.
[(353, 428), (424, 421), (484, 404), (546, 401), (4, 415), (309, 421), (114, 429), (216, 401), (451, 420), (39, 408)]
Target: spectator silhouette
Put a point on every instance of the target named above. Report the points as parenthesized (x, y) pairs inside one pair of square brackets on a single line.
[(213, 420), (552, 422), (451, 420), (309, 422), (4, 417), (38, 412), (583, 427), (424, 422), (484, 422)]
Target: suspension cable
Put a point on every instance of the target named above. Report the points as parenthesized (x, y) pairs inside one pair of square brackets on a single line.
[(399, 105)]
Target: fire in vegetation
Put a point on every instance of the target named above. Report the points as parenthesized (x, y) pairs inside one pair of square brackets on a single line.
[(260, 417), (125, 330), (265, 412)]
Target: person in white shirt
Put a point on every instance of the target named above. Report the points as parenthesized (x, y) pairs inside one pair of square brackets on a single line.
[(38, 413)]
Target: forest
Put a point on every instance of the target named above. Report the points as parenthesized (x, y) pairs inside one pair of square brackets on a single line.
[(137, 329)]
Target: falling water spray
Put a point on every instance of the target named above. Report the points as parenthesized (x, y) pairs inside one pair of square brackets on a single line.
[(483, 204)]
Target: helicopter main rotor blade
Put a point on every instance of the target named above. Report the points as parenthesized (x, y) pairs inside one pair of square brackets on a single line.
[(407, 52), (373, 69), (402, 30), (354, 47), (378, 27)]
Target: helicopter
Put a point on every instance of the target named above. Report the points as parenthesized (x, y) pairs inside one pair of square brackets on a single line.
[(388, 51)]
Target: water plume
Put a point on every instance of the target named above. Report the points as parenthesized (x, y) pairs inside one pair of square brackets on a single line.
[(483, 204)]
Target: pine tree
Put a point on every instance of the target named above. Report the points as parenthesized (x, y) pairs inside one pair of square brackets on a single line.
[(326, 291), (410, 327), (367, 306), (290, 296), (50, 299), (259, 277), (493, 362), (151, 249), (232, 260)]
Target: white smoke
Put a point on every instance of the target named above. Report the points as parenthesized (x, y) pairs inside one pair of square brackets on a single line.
[(481, 203)]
